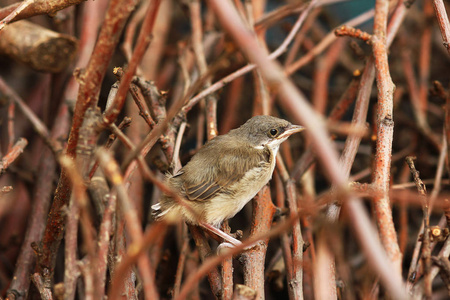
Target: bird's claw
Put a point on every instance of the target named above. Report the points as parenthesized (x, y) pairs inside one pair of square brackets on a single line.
[(226, 246), (223, 247)]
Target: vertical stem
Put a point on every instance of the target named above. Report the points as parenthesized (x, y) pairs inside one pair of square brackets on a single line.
[(227, 270), (254, 258), (91, 80), (197, 44), (296, 283), (385, 131)]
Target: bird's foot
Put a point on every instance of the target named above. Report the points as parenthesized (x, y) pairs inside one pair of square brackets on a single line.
[(227, 238), (229, 241), (223, 247)]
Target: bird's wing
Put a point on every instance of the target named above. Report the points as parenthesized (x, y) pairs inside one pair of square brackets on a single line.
[(226, 172), (206, 190)]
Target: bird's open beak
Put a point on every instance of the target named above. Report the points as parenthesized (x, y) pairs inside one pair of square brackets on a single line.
[(291, 130)]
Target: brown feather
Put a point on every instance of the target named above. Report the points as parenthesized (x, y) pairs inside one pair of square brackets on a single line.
[(211, 181)]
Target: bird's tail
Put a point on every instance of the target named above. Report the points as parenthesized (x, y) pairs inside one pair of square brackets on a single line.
[(157, 212)]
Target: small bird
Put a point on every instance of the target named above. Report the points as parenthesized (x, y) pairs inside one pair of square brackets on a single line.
[(225, 174)]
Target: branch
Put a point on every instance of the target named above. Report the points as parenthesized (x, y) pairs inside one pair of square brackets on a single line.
[(385, 126), (294, 104), (12, 155), (30, 8), (444, 23), (144, 39), (90, 84)]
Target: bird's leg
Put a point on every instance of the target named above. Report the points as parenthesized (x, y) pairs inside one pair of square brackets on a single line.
[(222, 234)]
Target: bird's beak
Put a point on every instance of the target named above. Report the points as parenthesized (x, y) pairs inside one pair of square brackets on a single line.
[(291, 129)]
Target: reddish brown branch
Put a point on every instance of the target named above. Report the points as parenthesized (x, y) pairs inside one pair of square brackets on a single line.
[(296, 107), (104, 234), (27, 9), (425, 57), (38, 125), (144, 39), (385, 126), (284, 238), (426, 250), (197, 44), (204, 249), (133, 227), (444, 23), (78, 209), (263, 211), (419, 104), (134, 254), (13, 154), (213, 261), (341, 107), (90, 84), (353, 32), (296, 280), (138, 99), (92, 77), (111, 138), (280, 50), (323, 68), (446, 120), (43, 288), (227, 270), (41, 203), (181, 263), (324, 43), (359, 116)]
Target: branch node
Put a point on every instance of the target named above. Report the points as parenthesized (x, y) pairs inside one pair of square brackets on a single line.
[(345, 30)]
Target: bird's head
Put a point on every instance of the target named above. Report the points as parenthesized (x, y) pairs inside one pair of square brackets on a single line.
[(261, 131)]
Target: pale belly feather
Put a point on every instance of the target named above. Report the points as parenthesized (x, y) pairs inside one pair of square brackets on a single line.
[(226, 206)]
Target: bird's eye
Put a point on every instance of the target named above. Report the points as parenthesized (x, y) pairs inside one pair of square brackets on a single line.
[(273, 132)]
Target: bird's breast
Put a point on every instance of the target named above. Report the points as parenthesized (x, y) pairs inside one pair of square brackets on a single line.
[(227, 204)]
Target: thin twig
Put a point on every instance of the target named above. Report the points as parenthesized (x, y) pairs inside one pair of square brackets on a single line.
[(426, 252), (13, 154), (38, 125), (444, 23), (144, 40), (244, 70), (44, 290), (112, 171)]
